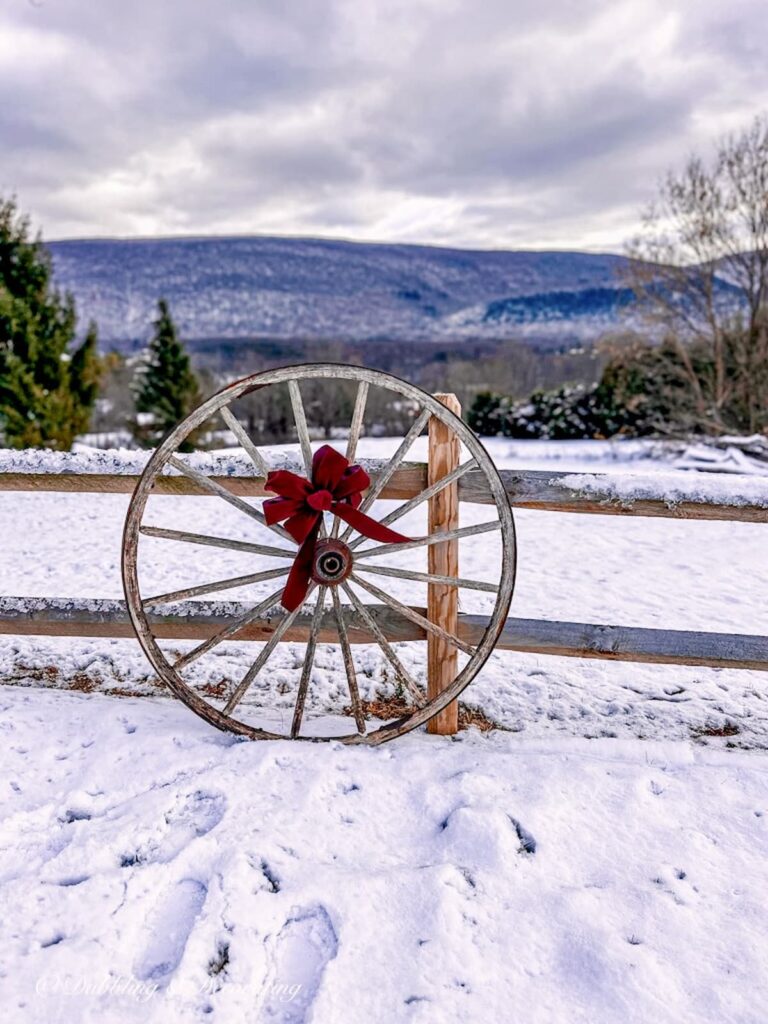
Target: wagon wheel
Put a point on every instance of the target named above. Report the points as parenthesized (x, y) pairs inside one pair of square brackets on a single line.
[(347, 570)]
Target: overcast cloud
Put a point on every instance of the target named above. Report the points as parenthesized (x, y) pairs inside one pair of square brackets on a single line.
[(492, 123)]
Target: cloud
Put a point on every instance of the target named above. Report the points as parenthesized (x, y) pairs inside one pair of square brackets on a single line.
[(495, 124)]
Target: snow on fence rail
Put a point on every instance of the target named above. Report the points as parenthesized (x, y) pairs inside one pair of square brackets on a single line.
[(680, 495), (671, 495)]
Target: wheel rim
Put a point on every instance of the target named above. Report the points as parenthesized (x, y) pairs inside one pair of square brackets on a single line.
[(365, 578)]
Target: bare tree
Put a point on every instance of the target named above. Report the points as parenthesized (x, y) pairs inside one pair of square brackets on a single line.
[(699, 270)]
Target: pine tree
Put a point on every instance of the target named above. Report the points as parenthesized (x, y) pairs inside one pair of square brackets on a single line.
[(166, 388), (47, 390)]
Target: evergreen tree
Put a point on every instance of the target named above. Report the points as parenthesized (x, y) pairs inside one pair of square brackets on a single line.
[(166, 388), (47, 390)]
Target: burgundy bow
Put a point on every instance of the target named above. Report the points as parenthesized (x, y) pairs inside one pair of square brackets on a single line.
[(336, 487)]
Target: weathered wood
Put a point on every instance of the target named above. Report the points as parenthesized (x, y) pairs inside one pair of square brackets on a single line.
[(380, 480), (235, 625), (349, 663), (568, 492), (358, 417), (202, 620), (530, 489), (428, 492), (280, 630), (381, 634), (626, 643), (427, 577), (309, 661), (217, 542), (355, 429), (416, 617), (302, 430), (408, 480), (214, 466), (443, 560), (220, 491), (246, 441), (192, 620), (212, 588), (431, 538), (551, 492)]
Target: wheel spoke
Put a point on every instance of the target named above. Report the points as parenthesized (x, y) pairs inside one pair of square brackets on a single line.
[(233, 627), (234, 424), (432, 538), (349, 665), (301, 425), (400, 671), (309, 660), (355, 428), (429, 577), (428, 492), (385, 475), (283, 626), (213, 487), (413, 615), (212, 588), (303, 432), (356, 425), (216, 542)]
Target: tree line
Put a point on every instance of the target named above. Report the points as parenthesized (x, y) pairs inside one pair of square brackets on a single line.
[(695, 358), (50, 380)]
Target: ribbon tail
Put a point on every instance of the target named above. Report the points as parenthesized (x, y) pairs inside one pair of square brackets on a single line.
[(297, 584), (368, 527)]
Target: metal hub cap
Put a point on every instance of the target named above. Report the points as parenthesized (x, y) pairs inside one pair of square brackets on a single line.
[(333, 562)]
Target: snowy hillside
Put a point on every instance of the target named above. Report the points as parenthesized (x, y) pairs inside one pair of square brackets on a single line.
[(299, 288)]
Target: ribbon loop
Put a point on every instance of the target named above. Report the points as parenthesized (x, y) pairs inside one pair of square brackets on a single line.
[(321, 501), (336, 486)]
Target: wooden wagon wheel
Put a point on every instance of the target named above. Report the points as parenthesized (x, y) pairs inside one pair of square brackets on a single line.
[(344, 565)]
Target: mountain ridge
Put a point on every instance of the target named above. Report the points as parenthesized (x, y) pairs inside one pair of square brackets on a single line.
[(289, 287)]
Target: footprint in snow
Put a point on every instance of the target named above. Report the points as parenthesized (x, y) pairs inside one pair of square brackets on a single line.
[(168, 927), (302, 949), (193, 815)]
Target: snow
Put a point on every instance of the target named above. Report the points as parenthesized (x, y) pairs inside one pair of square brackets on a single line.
[(731, 459), (672, 488), (300, 288), (130, 462), (155, 870), (84, 460), (600, 856), (622, 458)]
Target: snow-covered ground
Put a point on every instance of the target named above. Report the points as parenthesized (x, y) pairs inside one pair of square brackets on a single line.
[(154, 869)]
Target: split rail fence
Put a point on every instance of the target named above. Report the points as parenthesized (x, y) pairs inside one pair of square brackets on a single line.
[(592, 494)]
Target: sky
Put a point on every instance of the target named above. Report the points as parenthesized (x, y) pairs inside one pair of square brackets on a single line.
[(474, 123)]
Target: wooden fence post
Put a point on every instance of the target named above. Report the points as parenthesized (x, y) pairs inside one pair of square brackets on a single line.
[(443, 559)]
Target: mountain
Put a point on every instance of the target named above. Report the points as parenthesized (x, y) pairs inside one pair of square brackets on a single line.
[(286, 288)]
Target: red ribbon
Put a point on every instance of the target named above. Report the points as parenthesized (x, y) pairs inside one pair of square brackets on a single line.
[(336, 486)]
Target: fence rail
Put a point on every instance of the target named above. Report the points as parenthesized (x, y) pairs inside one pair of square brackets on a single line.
[(198, 620), (658, 495)]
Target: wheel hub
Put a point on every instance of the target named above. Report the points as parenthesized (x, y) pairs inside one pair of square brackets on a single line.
[(332, 562)]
